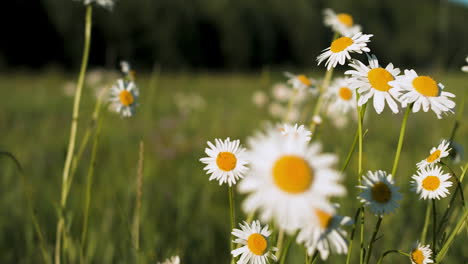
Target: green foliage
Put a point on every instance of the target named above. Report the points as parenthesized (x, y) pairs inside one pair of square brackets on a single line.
[(182, 213)]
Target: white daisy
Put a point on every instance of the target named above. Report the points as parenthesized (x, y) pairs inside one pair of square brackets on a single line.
[(431, 182), (300, 82), (373, 81), (342, 23), (424, 92), (287, 178), (296, 131), (379, 193), (465, 68), (340, 96), (436, 154), (125, 67), (324, 233), (256, 248), (340, 49), (281, 92), (123, 97), (421, 254), (226, 162), (173, 260)]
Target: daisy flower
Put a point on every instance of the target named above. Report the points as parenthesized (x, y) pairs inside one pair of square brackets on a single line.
[(379, 193), (421, 254), (226, 161), (300, 82), (431, 182), (340, 49), (299, 132), (173, 260), (340, 96), (465, 68), (281, 92), (342, 23), (287, 178), (324, 233), (436, 154), (256, 248), (424, 92), (123, 97), (373, 81)]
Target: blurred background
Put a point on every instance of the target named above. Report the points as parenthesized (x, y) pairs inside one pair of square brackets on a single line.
[(206, 69), (226, 34)]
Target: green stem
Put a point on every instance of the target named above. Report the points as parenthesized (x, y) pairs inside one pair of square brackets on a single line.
[(314, 257), (362, 251), (89, 183), (400, 140), (351, 236), (426, 223), (232, 217), (139, 193), (391, 251), (279, 243), (371, 242), (434, 227), (351, 151), (452, 236), (318, 104), (284, 254), (73, 130), (290, 105)]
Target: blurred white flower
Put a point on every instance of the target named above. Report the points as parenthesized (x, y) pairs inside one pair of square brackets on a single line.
[(189, 102), (293, 115), (259, 98), (173, 260), (465, 68), (276, 110), (104, 3), (125, 67), (95, 77), (342, 23), (69, 89), (281, 92)]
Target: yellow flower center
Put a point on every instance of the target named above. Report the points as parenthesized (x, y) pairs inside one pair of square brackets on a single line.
[(257, 244), (431, 183), (292, 174), (341, 44), (379, 78), (417, 256), (381, 193), (435, 155), (345, 93), (324, 218), (126, 98), (346, 19), (226, 161), (426, 86), (304, 80)]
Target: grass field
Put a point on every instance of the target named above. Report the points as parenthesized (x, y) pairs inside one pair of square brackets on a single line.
[(182, 212)]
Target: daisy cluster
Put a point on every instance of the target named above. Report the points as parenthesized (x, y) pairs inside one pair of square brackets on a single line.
[(289, 182)]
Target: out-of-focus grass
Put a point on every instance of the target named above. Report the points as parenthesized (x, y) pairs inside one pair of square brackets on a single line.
[(182, 213)]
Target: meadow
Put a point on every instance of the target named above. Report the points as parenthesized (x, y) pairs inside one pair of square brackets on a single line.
[(182, 213)]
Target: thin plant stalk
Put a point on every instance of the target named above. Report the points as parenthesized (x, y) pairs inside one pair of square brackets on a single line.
[(89, 183), (73, 130), (434, 227), (351, 236), (426, 223), (279, 243), (318, 104), (360, 140), (29, 199), (139, 193), (371, 242), (286, 249), (455, 231), (400, 140), (351, 151), (232, 217), (392, 251)]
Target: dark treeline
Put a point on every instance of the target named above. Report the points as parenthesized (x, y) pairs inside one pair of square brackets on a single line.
[(227, 34)]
